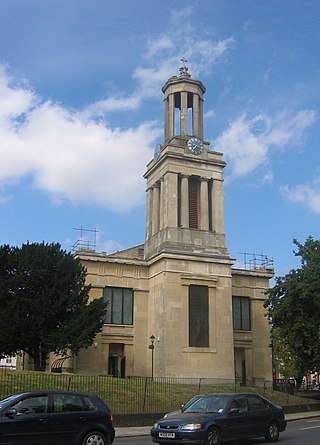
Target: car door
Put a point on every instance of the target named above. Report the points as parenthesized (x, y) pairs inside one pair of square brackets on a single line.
[(259, 415), (69, 418), (31, 423), (236, 420)]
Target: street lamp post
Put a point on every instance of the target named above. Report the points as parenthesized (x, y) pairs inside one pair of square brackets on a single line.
[(152, 338)]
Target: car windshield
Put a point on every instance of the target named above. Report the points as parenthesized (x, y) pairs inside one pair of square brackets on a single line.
[(208, 404), (189, 403), (8, 400)]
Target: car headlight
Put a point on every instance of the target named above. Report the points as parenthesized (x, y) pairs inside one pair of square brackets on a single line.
[(191, 426), (155, 425)]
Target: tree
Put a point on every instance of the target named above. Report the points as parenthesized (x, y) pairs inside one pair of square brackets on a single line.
[(283, 360), (294, 307), (44, 303)]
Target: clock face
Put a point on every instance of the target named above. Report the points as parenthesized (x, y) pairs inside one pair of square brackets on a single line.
[(157, 150), (195, 145)]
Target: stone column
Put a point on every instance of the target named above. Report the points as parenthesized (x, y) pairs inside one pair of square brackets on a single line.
[(166, 119), (195, 116), (184, 202), (149, 214), (217, 206), (170, 118), (161, 204), (200, 118), (170, 211), (204, 204), (184, 113), (155, 209)]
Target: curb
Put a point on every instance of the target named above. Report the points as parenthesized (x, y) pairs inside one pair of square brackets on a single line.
[(145, 430)]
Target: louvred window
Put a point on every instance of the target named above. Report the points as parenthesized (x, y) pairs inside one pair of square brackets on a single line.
[(194, 203)]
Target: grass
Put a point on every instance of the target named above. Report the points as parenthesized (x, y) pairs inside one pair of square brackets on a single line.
[(130, 395)]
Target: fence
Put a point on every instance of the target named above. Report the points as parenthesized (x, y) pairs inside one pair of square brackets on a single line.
[(125, 396)]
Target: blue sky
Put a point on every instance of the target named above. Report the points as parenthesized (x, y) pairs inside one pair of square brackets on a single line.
[(81, 111)]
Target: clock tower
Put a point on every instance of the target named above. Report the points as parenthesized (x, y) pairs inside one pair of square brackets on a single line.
[(185, 247), (185, 212)]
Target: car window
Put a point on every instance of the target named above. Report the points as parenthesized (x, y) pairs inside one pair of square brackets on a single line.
[(8, 400), (256, 403), (212, 404), (32, 405), (240, 403), (88, 404), (67, 403)]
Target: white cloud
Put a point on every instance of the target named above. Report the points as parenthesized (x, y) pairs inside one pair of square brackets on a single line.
[(207, 53), (162, 56), (114, 103), (288, 128), (111, 246), (156, 46), (307, 194), (15, 97), (69, 155), (247, 142), (209, 114), (75, 155), (4, 199), (241, 147), (267, 178)]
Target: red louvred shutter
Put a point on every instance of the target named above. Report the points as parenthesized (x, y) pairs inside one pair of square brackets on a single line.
[(193, 203)]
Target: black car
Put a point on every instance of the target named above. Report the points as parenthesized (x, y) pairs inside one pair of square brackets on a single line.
[(212, 418), (55, 418)]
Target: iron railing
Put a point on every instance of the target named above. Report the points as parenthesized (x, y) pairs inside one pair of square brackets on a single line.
[(127, 395), (137, 395)]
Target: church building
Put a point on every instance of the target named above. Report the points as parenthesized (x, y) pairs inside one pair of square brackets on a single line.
[(176, 305)]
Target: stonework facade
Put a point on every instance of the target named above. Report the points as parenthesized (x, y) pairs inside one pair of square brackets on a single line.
[(206, 317)]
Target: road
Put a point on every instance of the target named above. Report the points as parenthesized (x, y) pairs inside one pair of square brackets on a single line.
[(305, 431)]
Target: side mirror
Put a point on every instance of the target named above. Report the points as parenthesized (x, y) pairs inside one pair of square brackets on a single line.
[(11, 412)]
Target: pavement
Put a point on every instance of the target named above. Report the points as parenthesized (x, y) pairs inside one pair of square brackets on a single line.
[(132, 431)]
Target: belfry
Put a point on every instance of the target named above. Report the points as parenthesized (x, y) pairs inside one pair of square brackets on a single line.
[(185, 178), (184, 94)]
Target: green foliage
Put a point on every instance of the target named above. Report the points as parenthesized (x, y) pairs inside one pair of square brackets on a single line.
[(283, 360), (44, 304), (293, 309)]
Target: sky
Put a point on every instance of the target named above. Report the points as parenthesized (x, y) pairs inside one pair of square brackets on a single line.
[(81, 110)]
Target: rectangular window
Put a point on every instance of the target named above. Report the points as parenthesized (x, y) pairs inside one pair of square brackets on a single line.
[(241, 313), (198, 316), (120, 305)]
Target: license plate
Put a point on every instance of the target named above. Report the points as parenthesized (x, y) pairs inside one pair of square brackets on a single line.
[(167, 435)]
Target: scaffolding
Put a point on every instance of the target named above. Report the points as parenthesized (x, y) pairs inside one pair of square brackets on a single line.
[(86, 242), (257, 261)]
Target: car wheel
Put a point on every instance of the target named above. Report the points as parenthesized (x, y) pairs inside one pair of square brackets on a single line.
[(95, 438), (213, 436), (272, 434)]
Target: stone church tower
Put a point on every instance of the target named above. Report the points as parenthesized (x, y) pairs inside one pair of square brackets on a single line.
[(189, 266), (184, 181), (179, 289)]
